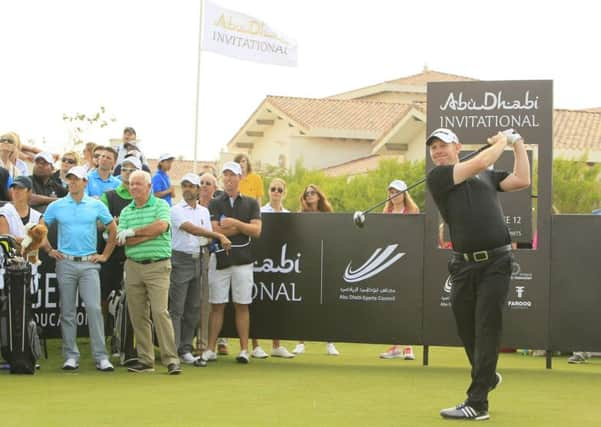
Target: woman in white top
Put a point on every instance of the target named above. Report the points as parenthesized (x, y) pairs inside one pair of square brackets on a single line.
[(277, 192), (401, 204), (14, 216), (10, 147)]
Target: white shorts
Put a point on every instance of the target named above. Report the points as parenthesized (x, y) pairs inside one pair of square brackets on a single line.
[(239, 277)]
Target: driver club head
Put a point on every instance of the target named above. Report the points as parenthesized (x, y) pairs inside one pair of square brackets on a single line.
[(359, 219)]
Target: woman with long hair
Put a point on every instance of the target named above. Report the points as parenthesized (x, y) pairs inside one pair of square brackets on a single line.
[(399, 204), (10, 148), (277, 192), (251, 184), (313, 200)]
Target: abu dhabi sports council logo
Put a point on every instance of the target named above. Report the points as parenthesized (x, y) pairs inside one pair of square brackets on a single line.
[(379, 261)]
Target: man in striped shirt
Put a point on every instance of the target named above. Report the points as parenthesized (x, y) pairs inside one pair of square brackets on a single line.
[(145, 231)]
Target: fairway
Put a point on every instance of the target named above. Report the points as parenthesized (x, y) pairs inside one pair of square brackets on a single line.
[(354, 389)]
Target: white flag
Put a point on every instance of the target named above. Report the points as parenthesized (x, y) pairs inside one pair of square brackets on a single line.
[(241, 36)]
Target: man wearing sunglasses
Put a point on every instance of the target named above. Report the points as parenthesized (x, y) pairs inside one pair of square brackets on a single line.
[(101, 179), (192, 232)]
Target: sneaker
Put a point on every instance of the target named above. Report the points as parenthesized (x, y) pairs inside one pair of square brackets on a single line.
[(577, 358), (331, 349), (281, 351), (408, 353), (70, 365), (209, 356), (105, 366), (242, 357), (222, 350), (299, 349), (259, 353), (139, 367), (463, 411), (392, 353), (173, 369), (498, 381), (188, 358)]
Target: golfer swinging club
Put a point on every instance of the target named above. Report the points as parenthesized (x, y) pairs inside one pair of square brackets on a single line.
[(480, 266)]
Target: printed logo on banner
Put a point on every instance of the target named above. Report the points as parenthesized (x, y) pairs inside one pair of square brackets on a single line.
[(46, 306), (278, 290), (518, 300), (379, 261), (445, 298)]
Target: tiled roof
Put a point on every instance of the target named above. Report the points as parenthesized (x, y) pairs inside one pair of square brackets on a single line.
[(341, 114), (577, 130), (426, 76)]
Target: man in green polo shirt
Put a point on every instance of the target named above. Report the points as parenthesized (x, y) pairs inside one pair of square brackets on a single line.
[(144, 230)]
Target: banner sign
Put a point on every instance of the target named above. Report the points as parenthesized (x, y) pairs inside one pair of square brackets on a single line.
[(475, 111), (240, 36)]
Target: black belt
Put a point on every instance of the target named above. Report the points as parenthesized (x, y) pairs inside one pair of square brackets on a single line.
[(481, 256), (148, 261)]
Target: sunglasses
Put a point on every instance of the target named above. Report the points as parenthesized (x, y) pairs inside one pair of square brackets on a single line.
[(274, 189), (7, 141), (66, 160), (96, 155), (310, 193), (128, 169), (206, 183)]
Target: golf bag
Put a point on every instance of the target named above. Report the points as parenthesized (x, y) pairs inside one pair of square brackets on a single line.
[(122, 342), (19, 341)]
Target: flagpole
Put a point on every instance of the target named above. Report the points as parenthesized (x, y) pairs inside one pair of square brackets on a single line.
[(197, 109)]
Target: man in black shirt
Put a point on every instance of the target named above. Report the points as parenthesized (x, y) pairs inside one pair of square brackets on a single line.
[(238, 218), (46, 188), (480, 267)]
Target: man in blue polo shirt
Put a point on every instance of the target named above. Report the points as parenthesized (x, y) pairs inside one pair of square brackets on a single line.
[(101, 179), (77, 265), (161, 183)]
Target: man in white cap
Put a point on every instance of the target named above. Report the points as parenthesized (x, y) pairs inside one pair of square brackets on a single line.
[(161, 183), (480, 266), (46, 189), (77, 265), (239, 218), (111, 274), (191, 232)]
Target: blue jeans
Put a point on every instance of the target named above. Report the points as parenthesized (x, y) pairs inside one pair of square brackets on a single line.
[(74, 276)]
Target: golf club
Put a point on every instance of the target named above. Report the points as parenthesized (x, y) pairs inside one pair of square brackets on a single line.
[(359, 216)]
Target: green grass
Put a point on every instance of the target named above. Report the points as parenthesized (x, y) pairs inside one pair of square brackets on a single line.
[(354, 389)]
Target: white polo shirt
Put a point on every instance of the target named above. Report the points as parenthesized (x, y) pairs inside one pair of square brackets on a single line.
[(267, 209), (199, 216)]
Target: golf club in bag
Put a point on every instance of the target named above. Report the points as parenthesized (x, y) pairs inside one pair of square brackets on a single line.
[(19, 341), (359, 216)]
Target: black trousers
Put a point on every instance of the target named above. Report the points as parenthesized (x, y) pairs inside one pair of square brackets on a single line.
[(478, 294)]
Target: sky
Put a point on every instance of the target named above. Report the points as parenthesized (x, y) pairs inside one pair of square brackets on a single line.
[(138, 60)]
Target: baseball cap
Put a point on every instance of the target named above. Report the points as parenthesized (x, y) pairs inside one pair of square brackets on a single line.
[(398, 185), (445, 135), (46, 156), (133, 160), (232, 167), (22, 181), (192, 178), (166, 156), (79, 171)]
